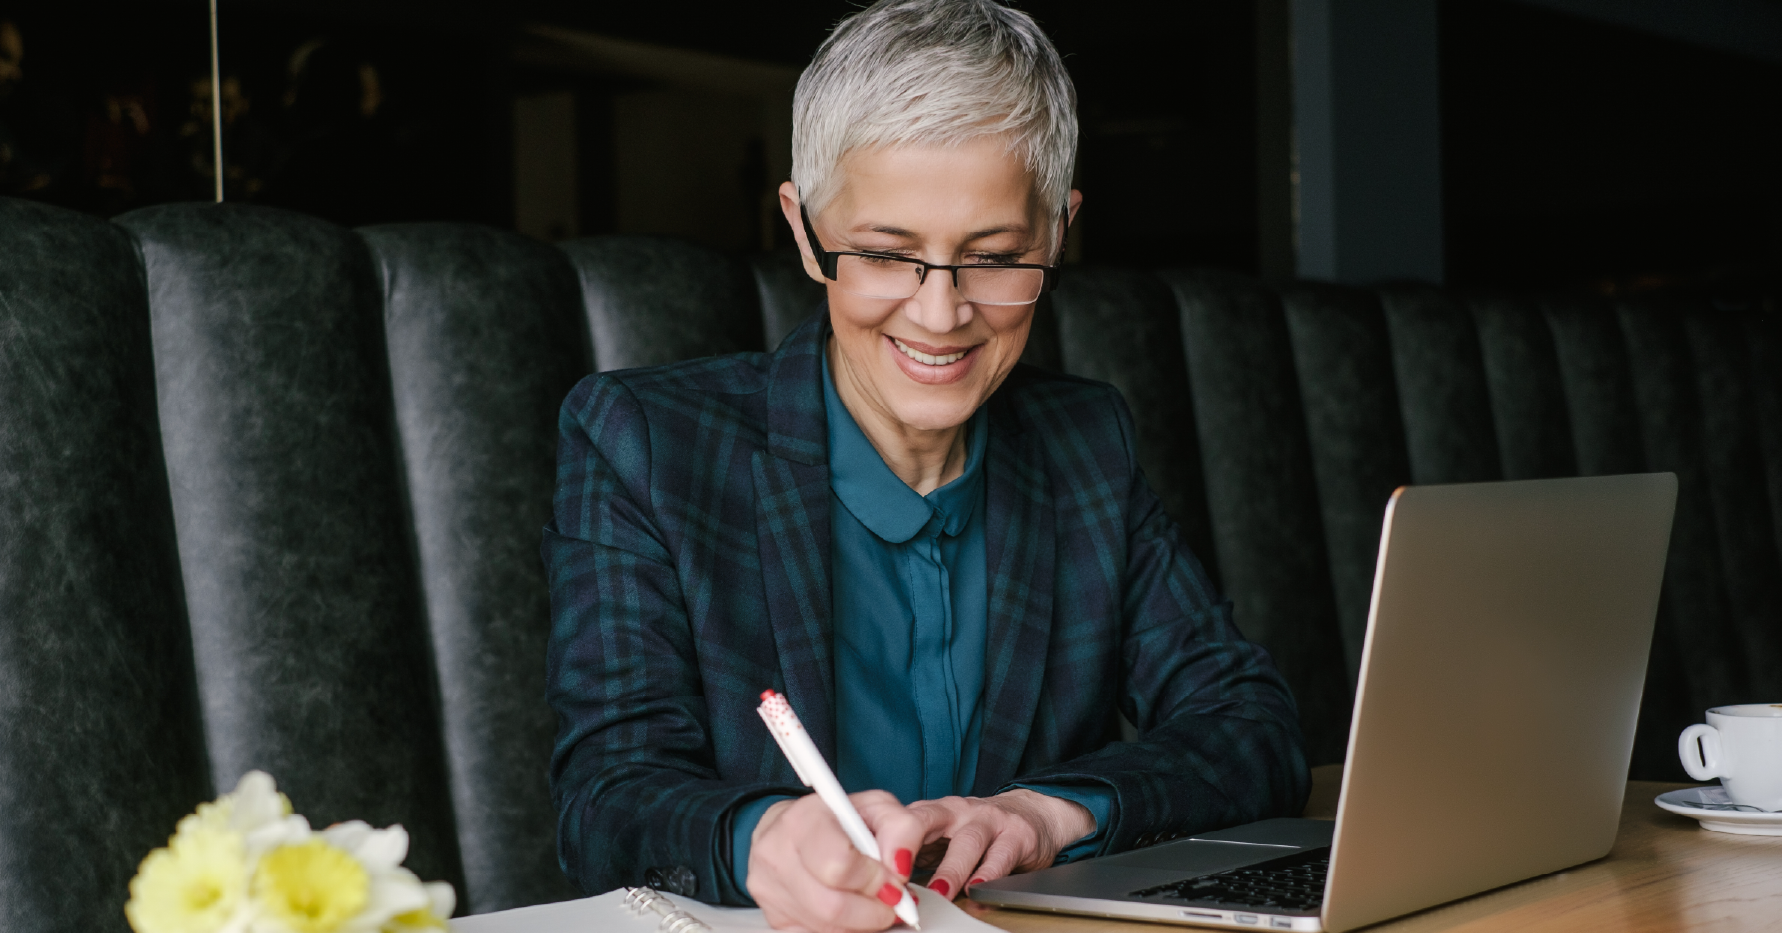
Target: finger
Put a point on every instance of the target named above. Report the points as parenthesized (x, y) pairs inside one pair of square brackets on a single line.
[(939, 817), (999, 860), (898, 831), (963, 854)]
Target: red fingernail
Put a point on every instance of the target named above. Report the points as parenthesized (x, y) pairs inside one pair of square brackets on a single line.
[(889, 894), (905, 861), (974, 881), (940, 886)]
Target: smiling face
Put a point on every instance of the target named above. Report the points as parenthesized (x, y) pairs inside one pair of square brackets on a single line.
[(926, 363)]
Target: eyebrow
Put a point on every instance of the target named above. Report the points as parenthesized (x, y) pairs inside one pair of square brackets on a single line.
[(975, 235)]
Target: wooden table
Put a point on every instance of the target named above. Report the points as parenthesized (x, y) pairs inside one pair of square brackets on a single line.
[(1665, 873)]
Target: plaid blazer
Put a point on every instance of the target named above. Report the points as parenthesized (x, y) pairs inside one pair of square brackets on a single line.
[(689, 566)]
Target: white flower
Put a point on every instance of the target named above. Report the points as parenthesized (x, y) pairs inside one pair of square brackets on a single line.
[(250, 809), (442, 900)]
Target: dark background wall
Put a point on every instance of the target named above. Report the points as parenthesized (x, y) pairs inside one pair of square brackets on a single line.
[(1581, 153), (1574, 153)]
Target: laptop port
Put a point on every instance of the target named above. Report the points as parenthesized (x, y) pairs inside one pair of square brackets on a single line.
[(1202, 915), (1280, 923), (1244, 918)]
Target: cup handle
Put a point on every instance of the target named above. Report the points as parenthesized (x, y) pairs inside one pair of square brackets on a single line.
[(1701, 761)]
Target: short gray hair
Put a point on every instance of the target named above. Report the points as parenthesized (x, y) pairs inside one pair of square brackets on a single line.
[(934, 72)]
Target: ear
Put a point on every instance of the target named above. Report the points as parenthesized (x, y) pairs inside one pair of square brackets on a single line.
[(1071, 203), (789, 206)]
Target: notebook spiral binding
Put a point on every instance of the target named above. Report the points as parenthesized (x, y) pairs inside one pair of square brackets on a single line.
[(645, 900)]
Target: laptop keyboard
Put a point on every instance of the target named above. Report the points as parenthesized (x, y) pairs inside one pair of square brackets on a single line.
[(1293, 882)]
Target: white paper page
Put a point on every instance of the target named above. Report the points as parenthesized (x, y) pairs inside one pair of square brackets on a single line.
[(607, 912)]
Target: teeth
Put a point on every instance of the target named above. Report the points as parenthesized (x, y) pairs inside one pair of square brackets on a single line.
[(929, 359)]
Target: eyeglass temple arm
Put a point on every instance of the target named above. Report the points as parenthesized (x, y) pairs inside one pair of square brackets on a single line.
[(826, 260)]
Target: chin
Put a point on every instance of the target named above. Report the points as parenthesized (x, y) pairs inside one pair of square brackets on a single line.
[(934, 414)]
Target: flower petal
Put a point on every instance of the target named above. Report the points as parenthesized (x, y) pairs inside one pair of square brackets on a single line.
[(291, 830), (392, 893), (445, 900), (257, 802), (380, 849)]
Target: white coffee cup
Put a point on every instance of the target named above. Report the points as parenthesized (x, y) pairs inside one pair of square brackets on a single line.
[(1742, 746)]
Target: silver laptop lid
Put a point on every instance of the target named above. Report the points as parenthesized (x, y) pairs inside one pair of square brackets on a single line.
[(1500, 683)]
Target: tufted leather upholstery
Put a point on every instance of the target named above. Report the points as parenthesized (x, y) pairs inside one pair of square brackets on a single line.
[(1261, 492), (1441, 387), (485, 338), (1119, 326), (788, 294), (301, 592), (271, 490), (100, 742), (1522, 381), (654, 300), (1344, 360)]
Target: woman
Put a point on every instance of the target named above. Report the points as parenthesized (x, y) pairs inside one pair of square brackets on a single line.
[(947, 561)]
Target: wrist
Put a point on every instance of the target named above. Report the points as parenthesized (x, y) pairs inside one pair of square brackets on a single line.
[(769, 817), (1063, 821)]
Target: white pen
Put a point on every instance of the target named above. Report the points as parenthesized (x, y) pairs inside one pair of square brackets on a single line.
[(815, 773)]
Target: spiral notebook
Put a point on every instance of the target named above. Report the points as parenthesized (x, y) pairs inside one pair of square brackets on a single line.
[(641, 910)]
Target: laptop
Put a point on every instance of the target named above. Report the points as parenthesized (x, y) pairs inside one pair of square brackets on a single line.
[(1493, 723)]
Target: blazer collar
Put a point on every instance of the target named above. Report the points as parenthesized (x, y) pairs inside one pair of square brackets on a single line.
[(791, 479), (796, 429), (1019, 554)]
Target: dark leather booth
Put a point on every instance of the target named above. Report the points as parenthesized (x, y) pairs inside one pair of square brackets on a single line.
[(271, 493)]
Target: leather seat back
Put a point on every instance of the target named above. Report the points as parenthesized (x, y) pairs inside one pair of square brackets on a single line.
[(1528, 402), (1119, 326), (787, 293), (655, 300), (1261, 493), (1356, 435), (485, 338), (101, 748), (1442, 391), (1730, 382), (306, 615)]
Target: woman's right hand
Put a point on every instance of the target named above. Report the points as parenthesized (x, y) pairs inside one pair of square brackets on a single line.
[(806, 875)]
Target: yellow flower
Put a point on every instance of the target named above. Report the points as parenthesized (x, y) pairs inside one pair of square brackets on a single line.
[(195, 885), (309, 887)]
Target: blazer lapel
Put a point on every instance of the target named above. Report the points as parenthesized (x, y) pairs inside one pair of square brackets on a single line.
[(1019, 553), (792, 529)]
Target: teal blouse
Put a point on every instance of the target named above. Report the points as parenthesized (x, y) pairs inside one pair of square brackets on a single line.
[(911, 609)]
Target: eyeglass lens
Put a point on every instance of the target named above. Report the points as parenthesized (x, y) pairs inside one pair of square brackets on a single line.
[(876, 277)]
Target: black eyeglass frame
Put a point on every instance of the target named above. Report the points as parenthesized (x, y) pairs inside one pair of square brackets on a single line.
[(827, 260)]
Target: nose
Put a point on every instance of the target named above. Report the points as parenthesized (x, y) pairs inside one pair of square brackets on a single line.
[(937, 306)]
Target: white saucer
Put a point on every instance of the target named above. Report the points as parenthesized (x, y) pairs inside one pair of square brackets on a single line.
[(1711, 807)]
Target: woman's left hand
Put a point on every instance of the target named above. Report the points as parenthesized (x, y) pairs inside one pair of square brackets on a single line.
[(988, 837)]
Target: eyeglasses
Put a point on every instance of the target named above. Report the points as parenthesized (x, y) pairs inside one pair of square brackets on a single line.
[(877, 275)]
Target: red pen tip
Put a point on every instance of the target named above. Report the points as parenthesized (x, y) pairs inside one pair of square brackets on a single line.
[(766, 695)]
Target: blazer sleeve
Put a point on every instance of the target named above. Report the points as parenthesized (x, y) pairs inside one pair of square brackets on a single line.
[(633, 773), (1218, 733)]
